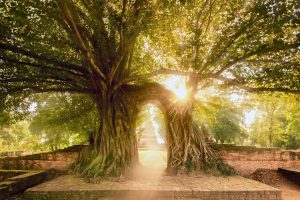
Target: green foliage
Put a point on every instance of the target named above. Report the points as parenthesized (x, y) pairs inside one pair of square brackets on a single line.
[(57, 121), (94, 166), (146, 115), (227, 125), (222, 118), (277, 123), (17, 137), (217, 166), (255, 42), (141, 119), (105, 49), (64, 120), (40, 51), (42, 197)]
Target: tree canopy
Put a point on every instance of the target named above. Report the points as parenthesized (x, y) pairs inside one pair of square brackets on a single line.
[(114, 51), (68, 45)]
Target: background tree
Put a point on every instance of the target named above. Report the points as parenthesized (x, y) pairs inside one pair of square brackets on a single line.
[(16, 136), (276, 123), (272, 111), (227, 126), (63, 120), (110, 50), (222, 117), (55, 121), (291, 137)]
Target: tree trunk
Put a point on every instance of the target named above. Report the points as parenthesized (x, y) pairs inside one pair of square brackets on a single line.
[(188, 149), (114, 148)]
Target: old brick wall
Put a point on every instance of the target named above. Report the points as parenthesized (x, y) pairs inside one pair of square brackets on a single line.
[(59, 160), (14, 153), (244, 159)]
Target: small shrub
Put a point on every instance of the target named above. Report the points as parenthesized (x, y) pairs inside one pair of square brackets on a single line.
[(217, 166), (189, 164), (42, 197)]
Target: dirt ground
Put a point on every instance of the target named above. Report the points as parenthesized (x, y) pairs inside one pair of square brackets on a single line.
[(290, 191)]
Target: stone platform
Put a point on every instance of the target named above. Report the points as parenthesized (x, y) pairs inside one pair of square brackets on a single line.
[(158, 188), (15, 181)]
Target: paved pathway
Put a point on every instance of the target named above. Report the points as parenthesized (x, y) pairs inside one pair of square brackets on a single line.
[(164, 187), (153, 159), (150, 182)]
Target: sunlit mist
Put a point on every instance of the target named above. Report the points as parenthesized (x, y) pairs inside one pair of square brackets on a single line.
[(152, 146), (177, 85), (155, 124)]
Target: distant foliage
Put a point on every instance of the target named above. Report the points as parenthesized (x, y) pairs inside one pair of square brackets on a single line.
[(222, 118), (277, 123), (55, 121), (62, 120), (16, 136)]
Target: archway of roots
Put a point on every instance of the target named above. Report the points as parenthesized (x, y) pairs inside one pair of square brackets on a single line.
[(151, 135)]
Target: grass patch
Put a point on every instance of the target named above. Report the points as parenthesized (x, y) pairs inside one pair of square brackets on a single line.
[(42, 197), (218, 167)]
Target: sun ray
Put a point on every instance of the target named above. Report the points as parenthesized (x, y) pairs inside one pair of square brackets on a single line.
[(177, 84)]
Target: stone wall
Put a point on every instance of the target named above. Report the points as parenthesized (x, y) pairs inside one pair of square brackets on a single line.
[(247, 159), (14, 153), (244, 159), (59, 160)]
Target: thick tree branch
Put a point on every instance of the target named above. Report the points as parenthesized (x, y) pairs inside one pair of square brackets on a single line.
[(264, 89), (164, 71), (35, 89), (54, 76), (127, 36), (35, 80), (41, 66), (169, 71), (262, 49), (260, 61), (237, 84), (198, 76), (41, 80), (231, 41), (42, 58), (68, 11)]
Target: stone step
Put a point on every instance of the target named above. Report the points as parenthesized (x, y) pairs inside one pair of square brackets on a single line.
[(151, 148), (20, 182), (156, 188)]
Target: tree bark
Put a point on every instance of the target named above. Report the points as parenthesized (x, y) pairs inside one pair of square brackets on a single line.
[(114, 148), (187, 147), (186, 142)]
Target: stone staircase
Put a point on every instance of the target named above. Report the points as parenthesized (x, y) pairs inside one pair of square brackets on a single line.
[(148, 140)]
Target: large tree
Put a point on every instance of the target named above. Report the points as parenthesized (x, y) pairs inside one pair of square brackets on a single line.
[(112, 50)]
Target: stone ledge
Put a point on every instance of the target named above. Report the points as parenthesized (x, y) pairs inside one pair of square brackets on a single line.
[(165, 187), (20, 182)]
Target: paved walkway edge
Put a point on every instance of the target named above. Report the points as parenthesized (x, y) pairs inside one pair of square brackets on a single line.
[(235, 188)]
